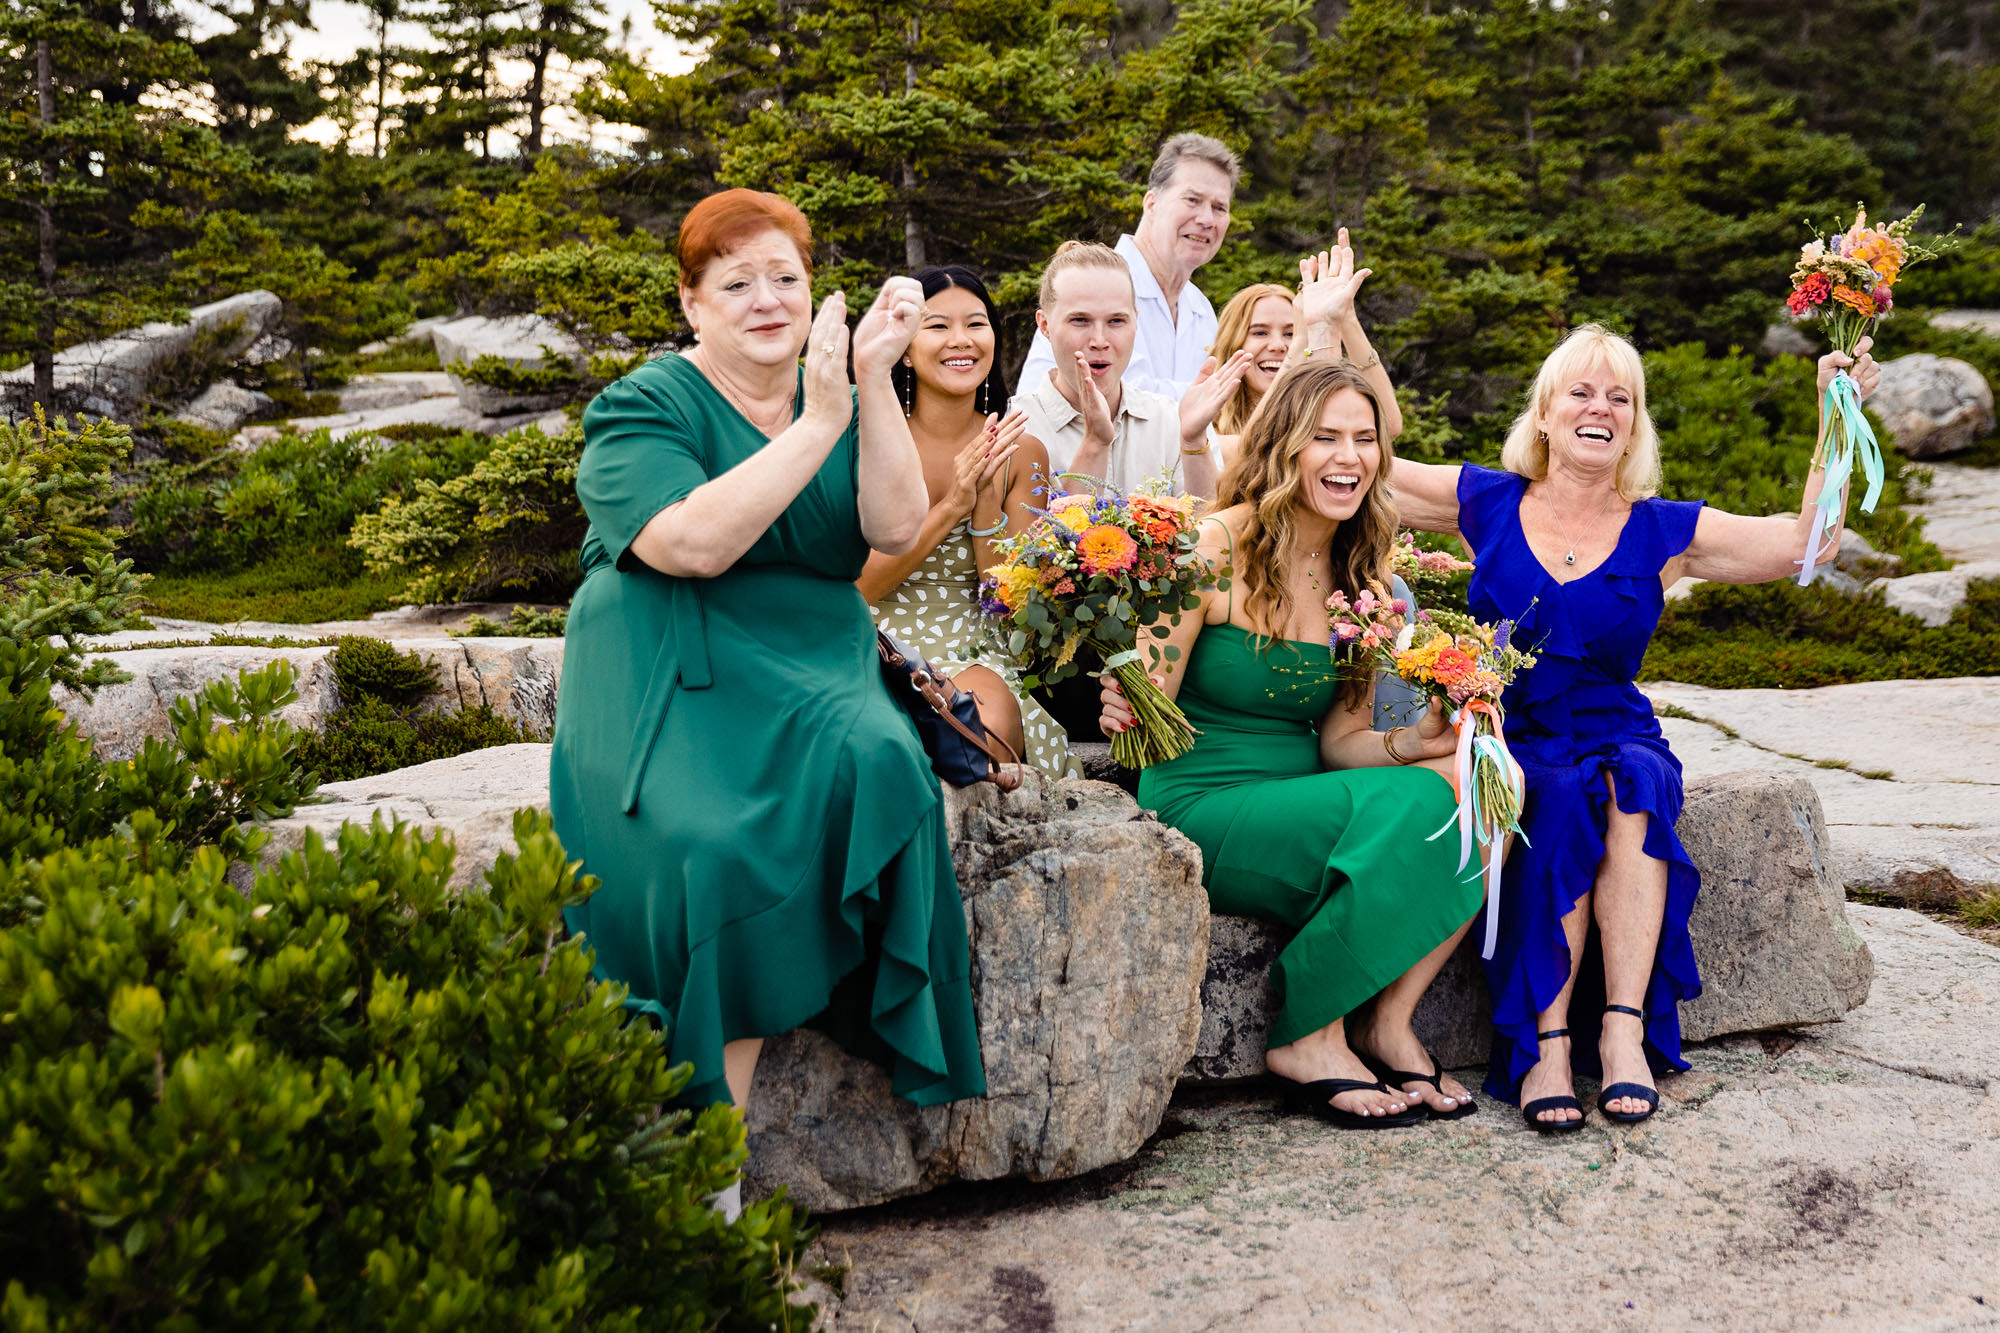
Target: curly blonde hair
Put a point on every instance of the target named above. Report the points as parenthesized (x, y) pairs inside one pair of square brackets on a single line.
[(1266, 481)]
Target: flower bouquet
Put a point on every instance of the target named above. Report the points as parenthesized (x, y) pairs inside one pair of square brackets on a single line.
[(1097, 571), (1469, 666), (1420, 568), (1846, 280)]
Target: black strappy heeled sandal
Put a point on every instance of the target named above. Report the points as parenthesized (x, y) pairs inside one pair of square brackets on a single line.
[(1316, 1099), (1398, 1077), (1636, 1091), (1540, 1104)]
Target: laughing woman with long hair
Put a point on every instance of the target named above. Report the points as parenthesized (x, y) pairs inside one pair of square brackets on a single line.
[(1304, 814)]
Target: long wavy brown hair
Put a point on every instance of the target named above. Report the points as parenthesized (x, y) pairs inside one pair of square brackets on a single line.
[(1265, 480)]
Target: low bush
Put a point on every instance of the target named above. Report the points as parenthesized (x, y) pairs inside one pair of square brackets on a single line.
[(1781, 636), (511, 524), (350, 1098), (554, 375), (228, 511), (523, 622), (368, 737), (378, 728), (347, 1097), (299, 586)]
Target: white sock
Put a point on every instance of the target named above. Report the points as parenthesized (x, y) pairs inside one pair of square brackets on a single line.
[(728, 1202)]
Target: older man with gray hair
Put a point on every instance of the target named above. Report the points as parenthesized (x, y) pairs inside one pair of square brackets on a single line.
[(1181, 225)]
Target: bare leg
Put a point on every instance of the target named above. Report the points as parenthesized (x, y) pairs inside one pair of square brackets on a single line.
[(1631, 901), (1551, 1077), (998, 708), (739, 1066), (1325, 1054), (1387, 1035)]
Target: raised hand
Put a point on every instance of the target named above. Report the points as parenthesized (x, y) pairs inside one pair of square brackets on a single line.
[(1212, 386), (1096, 411), (888, 326), (1328, 284), (827, 386), (1862, 366)]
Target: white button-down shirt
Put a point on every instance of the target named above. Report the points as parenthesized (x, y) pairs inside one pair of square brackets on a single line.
[(1145, 435), (1170, 347)]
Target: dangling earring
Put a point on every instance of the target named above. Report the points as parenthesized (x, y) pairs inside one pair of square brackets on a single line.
[(1542, 438), (980, 406), (910, 389)]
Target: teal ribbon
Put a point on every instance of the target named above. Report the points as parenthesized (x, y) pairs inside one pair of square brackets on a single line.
[(1849, 438)]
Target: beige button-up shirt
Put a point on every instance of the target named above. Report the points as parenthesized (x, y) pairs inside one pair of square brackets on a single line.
[(1145, 434)]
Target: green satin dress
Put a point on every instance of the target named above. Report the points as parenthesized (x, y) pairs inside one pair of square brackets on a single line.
[(728, 762), (1340, 856)]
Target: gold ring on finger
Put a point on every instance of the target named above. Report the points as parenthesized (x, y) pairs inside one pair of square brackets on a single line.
[(827, 348)]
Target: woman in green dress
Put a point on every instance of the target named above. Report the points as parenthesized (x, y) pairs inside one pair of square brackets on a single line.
[(1303, 813), (727, 760)]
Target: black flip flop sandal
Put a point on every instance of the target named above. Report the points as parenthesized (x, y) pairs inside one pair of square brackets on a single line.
[(1316, 1099), (1396, 1078), (1636, 1091), (1540, 1104)]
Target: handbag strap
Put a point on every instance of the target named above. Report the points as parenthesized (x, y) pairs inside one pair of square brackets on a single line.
[(938, 690)]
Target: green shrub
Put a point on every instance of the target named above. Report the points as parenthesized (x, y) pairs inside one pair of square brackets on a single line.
[(230, 511), (511, 524), (523, 622), (378, 728), (369, 737), (366, 668), (60, 575), (554, 375), (353, 1098), (1779, 636), (299, 586), (403, 354)]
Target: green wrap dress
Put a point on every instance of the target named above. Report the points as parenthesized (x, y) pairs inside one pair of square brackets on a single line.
[(1340, 856), (728, 762)]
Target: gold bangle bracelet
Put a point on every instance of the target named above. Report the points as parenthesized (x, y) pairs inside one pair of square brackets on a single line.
[(1373, 361), (1389, 744), (1197, 453)]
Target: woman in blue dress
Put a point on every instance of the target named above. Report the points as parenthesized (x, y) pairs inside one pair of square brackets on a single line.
[(1574, 545)]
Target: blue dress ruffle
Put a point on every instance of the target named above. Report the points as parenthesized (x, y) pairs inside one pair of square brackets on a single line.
[(1573, 719)]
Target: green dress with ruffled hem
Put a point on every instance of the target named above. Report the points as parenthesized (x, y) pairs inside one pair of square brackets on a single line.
[(1343, 857), (728, 762)]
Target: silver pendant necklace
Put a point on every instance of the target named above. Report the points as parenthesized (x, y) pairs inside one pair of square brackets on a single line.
[(1548, 498)]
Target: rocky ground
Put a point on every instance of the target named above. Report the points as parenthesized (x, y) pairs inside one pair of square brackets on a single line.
[(1846, 1176)]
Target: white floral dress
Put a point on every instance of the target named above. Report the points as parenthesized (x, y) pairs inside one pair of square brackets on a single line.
[(936, 611)]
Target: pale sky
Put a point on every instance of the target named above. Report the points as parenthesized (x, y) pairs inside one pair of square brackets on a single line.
[(341, 28)]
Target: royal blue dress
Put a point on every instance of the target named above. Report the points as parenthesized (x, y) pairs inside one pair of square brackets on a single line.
[(1575, 717)]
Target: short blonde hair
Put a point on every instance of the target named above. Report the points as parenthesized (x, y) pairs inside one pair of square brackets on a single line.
[(1582, 350), (1080, 254)]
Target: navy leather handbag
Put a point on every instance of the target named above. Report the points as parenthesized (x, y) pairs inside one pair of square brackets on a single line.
[(961, 750)]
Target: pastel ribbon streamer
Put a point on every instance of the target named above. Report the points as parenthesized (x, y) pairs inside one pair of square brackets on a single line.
[(1849, 438), (1475, 823)]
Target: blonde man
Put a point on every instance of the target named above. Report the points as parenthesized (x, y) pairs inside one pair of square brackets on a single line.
[(1086, 412)]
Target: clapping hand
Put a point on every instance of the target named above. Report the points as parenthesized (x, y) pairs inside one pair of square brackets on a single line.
[(1212, 387), (1861, 366), (888, 326), (827, 396), (981, 459), (1096, 411), (1328, 283)]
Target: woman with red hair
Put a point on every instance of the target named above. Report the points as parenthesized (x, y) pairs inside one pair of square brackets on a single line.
[(767, 830)]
